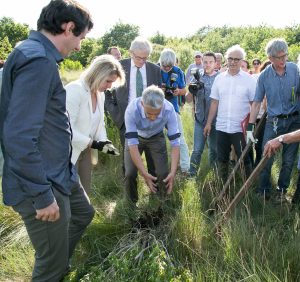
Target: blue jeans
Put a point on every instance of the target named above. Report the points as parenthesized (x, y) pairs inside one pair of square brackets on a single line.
[(288, 154), (199, 144), (184, 160)]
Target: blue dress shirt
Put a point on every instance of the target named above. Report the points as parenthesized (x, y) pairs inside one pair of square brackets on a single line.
[(282, 92), (137, 124)]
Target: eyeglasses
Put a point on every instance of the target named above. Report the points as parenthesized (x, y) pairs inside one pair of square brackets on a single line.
[(236, 60), (280, 58), (144, 59), (167, 66), (197, 56), (256, 64)]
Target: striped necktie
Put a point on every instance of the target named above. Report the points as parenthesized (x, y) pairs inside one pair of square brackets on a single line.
[(139, 83)]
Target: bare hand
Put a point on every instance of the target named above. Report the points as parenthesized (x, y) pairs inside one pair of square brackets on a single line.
[(176, 92), (272, 147), (169, 181), (206, 130), (50, 213), (150, 181)]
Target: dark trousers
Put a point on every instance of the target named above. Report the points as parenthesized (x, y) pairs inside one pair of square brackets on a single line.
[(224, 142), (258, 145), (155, 150), (288, 153), (150, 164), (54, 242)]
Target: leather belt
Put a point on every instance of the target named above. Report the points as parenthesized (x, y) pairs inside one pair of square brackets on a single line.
[(289, 115)]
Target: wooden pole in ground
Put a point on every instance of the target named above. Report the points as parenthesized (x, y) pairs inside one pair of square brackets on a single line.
[(242, 191), (216, 200)]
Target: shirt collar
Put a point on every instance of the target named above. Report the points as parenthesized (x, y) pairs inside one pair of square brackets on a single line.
[(38, 36), (133, 66), (274, 71), (237, 74)]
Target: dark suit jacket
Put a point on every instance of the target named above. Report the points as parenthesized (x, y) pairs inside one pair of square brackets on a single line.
[(116, 104)]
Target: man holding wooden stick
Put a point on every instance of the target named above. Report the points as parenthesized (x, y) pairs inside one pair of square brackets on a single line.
[(279, 82), (274, 145)]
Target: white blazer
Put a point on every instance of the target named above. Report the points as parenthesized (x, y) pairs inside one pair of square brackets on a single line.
[(79, 106)]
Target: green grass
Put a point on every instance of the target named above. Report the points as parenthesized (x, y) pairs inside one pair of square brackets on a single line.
[(260, 241), (16, 254)]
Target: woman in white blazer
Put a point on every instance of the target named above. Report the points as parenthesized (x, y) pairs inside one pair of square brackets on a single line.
[(85, 104)]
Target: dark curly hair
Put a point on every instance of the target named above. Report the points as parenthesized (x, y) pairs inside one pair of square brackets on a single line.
[(58, 12)]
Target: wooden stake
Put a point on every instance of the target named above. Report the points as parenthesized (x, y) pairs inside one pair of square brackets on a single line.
[(242, 192), (216, 200)]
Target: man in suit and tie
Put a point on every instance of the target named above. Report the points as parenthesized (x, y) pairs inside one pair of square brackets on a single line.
[(139, 74)]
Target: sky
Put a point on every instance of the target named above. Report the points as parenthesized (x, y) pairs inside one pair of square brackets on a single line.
[(171, 18)]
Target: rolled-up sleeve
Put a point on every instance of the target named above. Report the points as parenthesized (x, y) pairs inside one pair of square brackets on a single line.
[(131, 134), (173, 130)]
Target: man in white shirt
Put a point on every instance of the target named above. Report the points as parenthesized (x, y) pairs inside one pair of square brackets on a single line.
[(232, 94)]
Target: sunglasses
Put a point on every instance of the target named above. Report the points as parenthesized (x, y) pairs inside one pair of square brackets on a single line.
[(256, 64), (198, 56)]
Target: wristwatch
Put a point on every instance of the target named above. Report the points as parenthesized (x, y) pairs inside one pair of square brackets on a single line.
[(280, 139)]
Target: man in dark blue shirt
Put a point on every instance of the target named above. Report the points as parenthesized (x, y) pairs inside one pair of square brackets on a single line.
[(39, 181)]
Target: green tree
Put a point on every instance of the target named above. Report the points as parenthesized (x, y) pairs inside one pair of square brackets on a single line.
[(15, 32), (294, 52), (86, 53), (293, 34), (156, 50), (159, 39), (120, 35), (5, 48)]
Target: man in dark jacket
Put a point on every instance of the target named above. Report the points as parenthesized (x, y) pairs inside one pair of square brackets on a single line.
[(39, 181)]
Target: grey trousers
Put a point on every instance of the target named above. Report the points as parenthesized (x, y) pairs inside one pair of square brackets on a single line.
[(84, 169), (156, 154), (54, 242)]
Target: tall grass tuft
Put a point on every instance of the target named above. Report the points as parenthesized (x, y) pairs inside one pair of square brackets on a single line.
[(187, 228), (16, 254)]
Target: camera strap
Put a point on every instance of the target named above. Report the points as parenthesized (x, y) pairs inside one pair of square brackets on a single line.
[(204, 104), (168, 79)]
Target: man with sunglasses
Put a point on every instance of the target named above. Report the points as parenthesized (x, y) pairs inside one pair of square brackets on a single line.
[(231, 95), (279, 82), (198, 64)]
